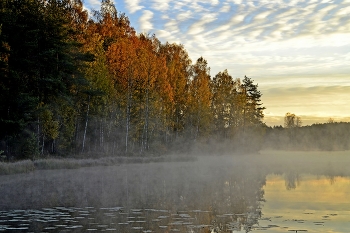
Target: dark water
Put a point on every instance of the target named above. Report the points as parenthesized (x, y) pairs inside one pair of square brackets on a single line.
[(219, 194)]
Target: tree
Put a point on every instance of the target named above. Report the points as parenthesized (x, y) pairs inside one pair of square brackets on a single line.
[(42, 63), (77, 85), (199, 112), (253, 111), (223, 89), (249, 115), (330, 121), (158, 94), (97, 96), (292, 121), (178, 75)]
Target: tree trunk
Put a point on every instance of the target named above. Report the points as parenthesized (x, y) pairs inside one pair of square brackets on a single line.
[(86, 124), (43, 145), (101, 135), (38, 132), (76, 135), (128, 110), (147, 114)]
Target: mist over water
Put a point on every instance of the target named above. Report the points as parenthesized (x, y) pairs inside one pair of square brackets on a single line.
[(239, 193)]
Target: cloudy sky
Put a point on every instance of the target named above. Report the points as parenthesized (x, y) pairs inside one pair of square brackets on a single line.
[(298, 51)]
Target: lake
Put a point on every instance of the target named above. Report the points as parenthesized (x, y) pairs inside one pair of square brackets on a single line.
[(268, 192)]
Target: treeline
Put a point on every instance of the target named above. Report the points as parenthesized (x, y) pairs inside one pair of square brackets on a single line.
[(78, 84), (330, 136)]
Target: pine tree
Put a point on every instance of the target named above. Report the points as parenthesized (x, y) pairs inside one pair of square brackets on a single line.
[(43, 61)]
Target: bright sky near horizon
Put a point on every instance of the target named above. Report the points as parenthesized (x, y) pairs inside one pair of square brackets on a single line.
[(298, 51)]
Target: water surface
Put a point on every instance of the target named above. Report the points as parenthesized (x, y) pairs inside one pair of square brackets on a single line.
[(213, 194), (315, 203)]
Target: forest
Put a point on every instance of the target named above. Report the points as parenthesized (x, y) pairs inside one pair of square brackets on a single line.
[(74, 84), (330, 136), (80, 85)]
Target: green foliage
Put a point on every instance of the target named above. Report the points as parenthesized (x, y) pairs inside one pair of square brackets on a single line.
[(42, 66), (27, 146), (2, 156)]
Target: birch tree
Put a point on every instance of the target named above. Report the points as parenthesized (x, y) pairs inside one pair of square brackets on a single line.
[(199, 116)]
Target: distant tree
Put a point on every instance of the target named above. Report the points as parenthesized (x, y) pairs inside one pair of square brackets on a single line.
[(330, 121), (292, 121), (299, 122), (289, 119)]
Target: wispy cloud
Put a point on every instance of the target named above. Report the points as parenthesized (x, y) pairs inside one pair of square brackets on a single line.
[(133, 5), (172, 26), (199, 26), (260, 39), (145, 21), (314, 104), (92, 4), (161, 5), (184, 15), (225, 8), (214, 2)]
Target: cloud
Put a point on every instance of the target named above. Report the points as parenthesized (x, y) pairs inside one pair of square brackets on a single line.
[(237, 18), (214, 2), (284, 40), (172, 26), (262, 15), (198, 27), (92, 4), (133, 5), (145, 21), (226, 8), (344, 11), (313, 102), (160, 5), (184, 15)]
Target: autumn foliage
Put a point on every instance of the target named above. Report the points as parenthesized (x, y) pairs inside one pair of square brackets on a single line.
[(74, 84)]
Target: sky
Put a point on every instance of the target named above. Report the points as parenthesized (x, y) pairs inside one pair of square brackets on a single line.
[(297, 51)]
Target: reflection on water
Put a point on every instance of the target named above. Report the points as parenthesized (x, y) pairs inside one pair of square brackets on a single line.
[(292, 180), (114, 219), (209, 195), (316, 204)]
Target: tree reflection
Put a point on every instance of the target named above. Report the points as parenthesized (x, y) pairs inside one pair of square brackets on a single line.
[(199, 197), (226, 198), (292, 180)]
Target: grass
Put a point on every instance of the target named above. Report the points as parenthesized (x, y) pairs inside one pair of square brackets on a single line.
[(272, 160), (25, 166)]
